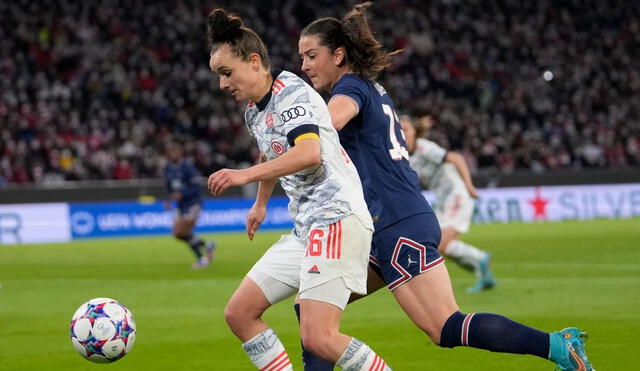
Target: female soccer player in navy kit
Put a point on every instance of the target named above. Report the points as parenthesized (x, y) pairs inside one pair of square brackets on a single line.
[(343, 58), (184, 186), (324, 260)]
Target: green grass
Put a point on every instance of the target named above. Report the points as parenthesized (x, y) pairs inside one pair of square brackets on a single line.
[(550, 275)]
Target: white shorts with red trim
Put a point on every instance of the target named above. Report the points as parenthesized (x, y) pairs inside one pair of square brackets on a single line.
[(340, 250)]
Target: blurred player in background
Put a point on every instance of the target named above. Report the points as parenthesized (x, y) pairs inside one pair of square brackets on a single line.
[(184, 187), (446, 174), (324, 259), (343, 57)]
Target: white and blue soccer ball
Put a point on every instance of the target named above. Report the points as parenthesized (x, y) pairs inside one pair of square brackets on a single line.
[(103, 330)]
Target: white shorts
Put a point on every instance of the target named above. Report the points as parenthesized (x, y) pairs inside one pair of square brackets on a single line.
[(340, 250), (455, 212)]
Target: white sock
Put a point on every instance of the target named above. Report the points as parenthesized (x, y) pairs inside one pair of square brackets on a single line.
[(267, 352), (359, 357), (467, 256)]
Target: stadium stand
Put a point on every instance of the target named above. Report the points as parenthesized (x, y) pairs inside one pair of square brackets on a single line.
[(92, 89)]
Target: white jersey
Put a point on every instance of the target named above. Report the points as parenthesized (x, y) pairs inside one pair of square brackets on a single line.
[(319, 195), (440, 177)]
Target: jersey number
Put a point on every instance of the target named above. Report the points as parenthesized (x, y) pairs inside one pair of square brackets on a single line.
[(332, 244), (397, 150)]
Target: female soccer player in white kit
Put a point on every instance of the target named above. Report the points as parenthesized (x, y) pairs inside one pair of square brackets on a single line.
[(446, 174), (325, 258)]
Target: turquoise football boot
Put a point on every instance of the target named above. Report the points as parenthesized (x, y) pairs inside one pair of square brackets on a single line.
[(486, 280), (566, 349)]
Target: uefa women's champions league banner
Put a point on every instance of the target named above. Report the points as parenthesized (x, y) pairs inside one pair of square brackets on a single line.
[(59, 222), (128, 218)]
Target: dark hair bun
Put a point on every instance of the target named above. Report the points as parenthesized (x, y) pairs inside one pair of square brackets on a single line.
[(223, 27)]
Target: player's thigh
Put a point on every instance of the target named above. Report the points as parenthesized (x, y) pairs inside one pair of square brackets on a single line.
[(183, 227), (428, 300), (277, 273), (248, 299), (185, 220), (322, 315)]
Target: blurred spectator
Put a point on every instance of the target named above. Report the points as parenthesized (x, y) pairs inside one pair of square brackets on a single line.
[(90, 90)]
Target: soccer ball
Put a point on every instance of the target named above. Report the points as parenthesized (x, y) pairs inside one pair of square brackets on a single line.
[(103, 330)]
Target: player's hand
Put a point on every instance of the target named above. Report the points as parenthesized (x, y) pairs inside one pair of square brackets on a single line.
[(473, 192), (222, 179), (176, 196), (254, 219)]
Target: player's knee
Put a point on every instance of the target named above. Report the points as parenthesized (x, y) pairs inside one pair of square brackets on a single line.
[(431, 327), (181, 235), (433, 332), (435, 338), (235, 316), (317, 339), (318, 343)]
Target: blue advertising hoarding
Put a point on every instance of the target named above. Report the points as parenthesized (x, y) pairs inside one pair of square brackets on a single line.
[(109, 219)]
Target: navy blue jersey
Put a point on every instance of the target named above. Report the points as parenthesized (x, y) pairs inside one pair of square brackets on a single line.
[(374, 141), (184, 179)]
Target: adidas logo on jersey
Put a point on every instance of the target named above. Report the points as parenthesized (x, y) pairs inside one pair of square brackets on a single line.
[(314, 270)]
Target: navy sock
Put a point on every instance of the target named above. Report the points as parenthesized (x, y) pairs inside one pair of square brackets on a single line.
[(495, 333), (194, 243), (310, 361)]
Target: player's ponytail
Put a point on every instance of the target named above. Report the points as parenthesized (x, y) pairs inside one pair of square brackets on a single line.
[(365, 55), (226, 28)]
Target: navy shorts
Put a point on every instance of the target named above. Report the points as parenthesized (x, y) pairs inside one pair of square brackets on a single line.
[(405, 249), (189, 210)]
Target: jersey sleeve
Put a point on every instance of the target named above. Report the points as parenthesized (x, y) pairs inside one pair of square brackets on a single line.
[(352, 88), (192, 181), (167, 181), (431, 151), (297, 115), (192, 173)]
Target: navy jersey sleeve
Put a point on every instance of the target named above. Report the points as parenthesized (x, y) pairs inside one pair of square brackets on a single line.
[(192, 181), (167, 180), (353, 88)]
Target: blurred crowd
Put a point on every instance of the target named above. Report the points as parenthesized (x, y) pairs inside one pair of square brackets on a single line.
[(94, 89)]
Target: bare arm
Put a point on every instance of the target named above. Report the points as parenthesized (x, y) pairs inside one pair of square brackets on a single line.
[(458, 161), (304, 154), (342, 110), (265, 187), (409, 134), (258, 211)]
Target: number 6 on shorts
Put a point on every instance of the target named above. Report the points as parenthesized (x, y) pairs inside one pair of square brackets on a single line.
[(330, 238)]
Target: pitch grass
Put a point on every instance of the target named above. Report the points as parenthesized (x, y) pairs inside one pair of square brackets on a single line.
[(550, 275)]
